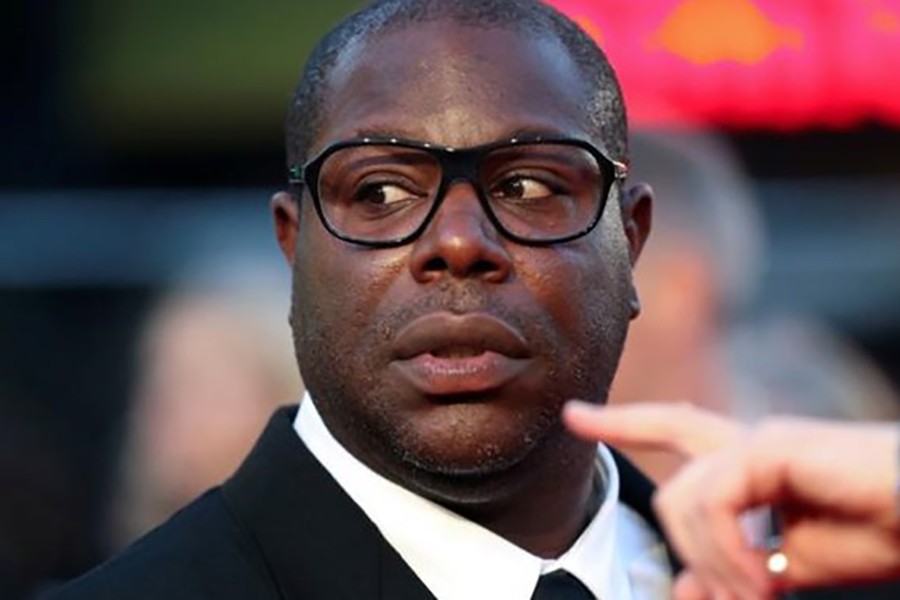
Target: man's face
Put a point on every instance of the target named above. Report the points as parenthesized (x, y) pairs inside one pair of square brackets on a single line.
[(447, 360)]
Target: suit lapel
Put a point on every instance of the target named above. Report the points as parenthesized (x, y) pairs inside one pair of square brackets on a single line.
[(637, 492), (314, 541)]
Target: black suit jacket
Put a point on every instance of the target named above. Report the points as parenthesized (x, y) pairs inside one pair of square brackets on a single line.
[(280, 528)]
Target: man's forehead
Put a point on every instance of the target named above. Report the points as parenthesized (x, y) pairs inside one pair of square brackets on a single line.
[(442, 46), (452, 77)]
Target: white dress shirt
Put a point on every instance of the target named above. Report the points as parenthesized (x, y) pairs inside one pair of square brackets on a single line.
[(618, 556)]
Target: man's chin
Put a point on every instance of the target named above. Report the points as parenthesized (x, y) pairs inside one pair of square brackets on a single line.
[(474, 465), (461, 474)]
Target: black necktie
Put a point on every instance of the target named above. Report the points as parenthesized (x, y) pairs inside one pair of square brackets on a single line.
[(560, 585)]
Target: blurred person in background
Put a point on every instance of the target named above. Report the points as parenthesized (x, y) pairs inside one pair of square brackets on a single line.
[(698, 275), (703, 262), (214, 361), (701, 338)]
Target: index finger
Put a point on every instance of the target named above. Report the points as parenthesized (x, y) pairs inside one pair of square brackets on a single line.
[(678, 427)]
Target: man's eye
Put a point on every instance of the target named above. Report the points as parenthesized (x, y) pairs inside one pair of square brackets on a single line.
[(383, 194), (521, 188)]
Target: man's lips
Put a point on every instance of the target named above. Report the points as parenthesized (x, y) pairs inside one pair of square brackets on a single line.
[(447, 354), (446, 334)]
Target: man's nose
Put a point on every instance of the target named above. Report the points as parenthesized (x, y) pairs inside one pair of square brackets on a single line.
[(460, 241)]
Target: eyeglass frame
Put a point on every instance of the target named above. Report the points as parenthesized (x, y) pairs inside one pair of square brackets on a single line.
[(456, 164)]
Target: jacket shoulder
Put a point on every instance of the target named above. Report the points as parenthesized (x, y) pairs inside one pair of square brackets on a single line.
[(201, 552)]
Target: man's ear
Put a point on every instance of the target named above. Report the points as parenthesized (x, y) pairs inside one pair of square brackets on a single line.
[(286, 213), (637, 216)]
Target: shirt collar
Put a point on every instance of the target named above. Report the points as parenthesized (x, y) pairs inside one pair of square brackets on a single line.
[(454, 557)]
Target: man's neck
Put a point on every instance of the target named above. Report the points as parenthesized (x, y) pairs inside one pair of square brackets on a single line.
[(546, 515), (541, 503)]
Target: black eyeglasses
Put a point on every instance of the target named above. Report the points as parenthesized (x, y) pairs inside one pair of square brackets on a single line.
[(383, 192)]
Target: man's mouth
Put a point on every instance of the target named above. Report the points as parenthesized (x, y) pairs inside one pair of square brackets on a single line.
[(449, 335), (457, 352), (442, 354)]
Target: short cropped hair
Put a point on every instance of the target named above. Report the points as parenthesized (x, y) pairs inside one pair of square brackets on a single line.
[(604, 106)]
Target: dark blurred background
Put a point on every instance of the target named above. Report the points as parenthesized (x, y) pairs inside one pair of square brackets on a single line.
[(142, 141)]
